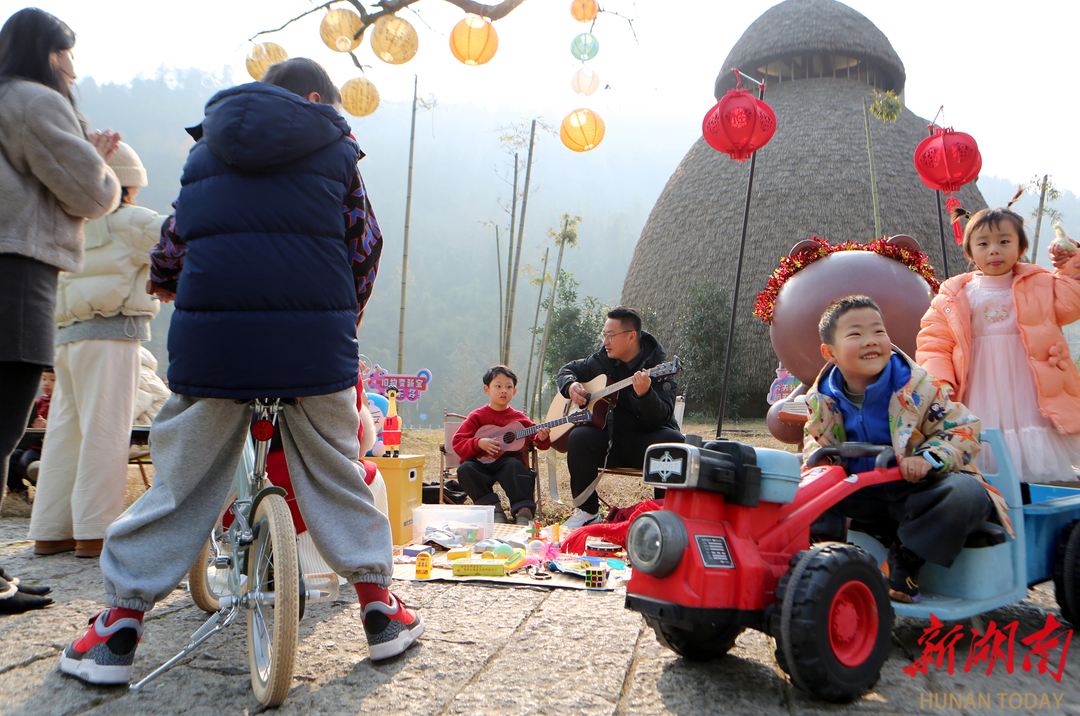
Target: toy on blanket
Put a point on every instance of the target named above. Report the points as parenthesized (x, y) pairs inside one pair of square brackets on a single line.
[(423, 565), (613, 532), (596, 577)]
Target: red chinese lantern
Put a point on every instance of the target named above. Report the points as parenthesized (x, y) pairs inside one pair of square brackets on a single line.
[(947, 160), (739, 125)]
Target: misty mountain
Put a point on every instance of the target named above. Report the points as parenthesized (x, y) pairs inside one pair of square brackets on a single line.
[(461, 192)]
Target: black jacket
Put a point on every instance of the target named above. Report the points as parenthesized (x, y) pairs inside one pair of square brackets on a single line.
[(650, 412)]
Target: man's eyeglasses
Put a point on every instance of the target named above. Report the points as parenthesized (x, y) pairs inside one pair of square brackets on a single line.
[(605, 336)]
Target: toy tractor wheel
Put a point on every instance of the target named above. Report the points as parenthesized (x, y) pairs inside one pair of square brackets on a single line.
[(704, 643), (833, 621), (1067, 572)]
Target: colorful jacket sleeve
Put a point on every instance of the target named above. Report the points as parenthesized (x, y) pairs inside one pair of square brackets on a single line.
[(167, 258), (935, 343), (364, 239), (823, 427), (950, 431)]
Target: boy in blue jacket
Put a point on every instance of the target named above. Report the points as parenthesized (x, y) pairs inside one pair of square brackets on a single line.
[(270, 256)]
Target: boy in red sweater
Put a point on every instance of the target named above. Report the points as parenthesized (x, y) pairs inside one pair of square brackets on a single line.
[(511, 469)]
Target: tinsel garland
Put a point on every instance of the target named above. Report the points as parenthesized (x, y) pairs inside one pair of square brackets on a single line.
[(917, 261)]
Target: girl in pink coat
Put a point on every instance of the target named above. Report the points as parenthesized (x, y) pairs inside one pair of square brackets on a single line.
[(994, 335)]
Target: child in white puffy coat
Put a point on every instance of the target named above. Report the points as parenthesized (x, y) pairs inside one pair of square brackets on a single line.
[(102, 315)]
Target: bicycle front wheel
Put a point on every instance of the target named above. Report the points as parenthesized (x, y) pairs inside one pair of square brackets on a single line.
[(274, 592)]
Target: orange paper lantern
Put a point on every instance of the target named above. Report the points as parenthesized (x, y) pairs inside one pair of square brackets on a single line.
[(584, 10), (474, 41), (582, 130)]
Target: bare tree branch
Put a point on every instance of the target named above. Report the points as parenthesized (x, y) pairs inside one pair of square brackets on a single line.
[(389, 7), (303, 14)]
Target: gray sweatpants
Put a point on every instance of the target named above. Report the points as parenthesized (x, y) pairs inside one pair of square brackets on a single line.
[(195, 445)]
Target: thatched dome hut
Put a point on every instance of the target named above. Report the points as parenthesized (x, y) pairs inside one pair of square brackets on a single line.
[(821, 60)]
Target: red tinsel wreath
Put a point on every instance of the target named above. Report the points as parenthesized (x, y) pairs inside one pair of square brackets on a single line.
[(917, 261)]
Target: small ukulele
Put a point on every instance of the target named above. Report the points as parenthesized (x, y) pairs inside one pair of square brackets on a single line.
[(511, 438)]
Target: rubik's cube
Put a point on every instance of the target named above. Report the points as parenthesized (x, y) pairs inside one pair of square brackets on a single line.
[(595, 577)]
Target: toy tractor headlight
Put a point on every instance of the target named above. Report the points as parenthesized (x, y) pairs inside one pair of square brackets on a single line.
[(655, 543)]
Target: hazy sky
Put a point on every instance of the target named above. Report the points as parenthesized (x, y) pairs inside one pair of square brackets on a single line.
[(1005, 72)]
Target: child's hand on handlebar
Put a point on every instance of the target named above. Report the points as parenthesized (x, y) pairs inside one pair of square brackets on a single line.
[(914, 469)]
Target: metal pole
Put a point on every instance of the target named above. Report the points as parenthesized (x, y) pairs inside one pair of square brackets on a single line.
[(940, 216), (941, 227), (405, 250), (738, 276)]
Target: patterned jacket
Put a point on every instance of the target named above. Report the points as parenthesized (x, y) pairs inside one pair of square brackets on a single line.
[(921, 417)]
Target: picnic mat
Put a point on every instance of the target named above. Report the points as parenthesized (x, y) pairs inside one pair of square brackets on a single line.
[(407, 572)]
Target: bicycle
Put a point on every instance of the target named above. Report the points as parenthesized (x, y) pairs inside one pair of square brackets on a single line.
[(250, 564)]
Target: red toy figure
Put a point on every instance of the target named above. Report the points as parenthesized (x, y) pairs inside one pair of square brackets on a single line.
[(392, 426)]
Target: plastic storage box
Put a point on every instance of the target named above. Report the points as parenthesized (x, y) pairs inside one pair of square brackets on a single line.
[(780, 475), (469, 520)]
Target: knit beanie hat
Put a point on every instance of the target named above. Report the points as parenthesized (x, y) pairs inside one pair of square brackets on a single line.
[(129, 170)]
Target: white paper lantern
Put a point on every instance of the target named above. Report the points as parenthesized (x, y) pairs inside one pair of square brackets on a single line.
[(585, 81)]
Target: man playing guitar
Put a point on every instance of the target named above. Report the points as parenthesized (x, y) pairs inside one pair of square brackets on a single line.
[(642, 414)]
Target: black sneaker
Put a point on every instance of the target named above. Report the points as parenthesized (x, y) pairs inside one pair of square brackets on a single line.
[(903, 573), (104, 655), (524, 516), (500, 517)]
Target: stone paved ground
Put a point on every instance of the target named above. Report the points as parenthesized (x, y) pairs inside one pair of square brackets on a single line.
[(487, 650)]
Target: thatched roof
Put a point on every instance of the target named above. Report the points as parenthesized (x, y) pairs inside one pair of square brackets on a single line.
[(807, 27), (812, 179)]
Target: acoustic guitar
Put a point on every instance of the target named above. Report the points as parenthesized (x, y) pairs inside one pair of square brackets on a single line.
[(511, 437), (598, 403)]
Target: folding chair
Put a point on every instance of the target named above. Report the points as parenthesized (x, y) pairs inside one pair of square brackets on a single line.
[(139, 451), (449, 460), (679, 411)]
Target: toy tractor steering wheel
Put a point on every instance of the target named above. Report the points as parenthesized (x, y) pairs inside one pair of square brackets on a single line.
[(884, 453)]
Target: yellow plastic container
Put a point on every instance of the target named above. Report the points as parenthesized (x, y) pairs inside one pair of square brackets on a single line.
[(404, 478)]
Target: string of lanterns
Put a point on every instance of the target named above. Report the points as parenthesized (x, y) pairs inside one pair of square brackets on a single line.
[(583, 129), (473, 42)]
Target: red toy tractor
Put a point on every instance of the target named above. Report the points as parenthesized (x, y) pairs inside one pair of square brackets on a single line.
[(731, 549)]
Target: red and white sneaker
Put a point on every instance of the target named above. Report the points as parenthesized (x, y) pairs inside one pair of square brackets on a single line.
[(104, 655), (390, 628)]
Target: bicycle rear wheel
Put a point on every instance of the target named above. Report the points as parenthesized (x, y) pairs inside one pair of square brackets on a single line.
[(274, 590)]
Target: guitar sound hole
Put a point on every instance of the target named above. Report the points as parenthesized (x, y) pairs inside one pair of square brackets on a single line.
[(507, 438)]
